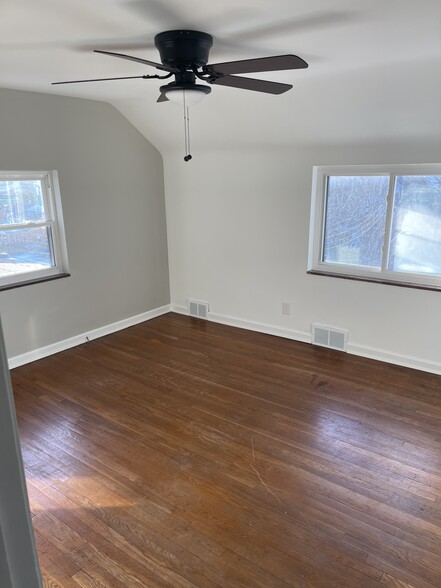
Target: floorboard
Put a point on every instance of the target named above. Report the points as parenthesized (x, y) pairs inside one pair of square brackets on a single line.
[(182, 453)]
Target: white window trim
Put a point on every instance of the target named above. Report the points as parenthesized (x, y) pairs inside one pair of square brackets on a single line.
[(317, 225), (53, 208)]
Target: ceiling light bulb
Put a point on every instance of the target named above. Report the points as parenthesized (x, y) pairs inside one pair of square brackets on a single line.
[(189, 97)]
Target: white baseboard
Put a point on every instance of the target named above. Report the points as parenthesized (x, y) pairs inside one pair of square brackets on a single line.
[(251, 326), (83, 337), (304, 337), (403, 360)]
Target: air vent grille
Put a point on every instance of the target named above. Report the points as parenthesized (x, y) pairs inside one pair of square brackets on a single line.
[(193, 308), (198, 309), (329, 337)]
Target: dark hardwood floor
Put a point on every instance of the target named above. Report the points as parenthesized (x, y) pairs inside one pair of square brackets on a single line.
[(181, 453)]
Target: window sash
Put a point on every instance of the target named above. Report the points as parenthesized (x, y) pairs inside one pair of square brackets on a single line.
[(316, 263), (28, 225), (53, 222)]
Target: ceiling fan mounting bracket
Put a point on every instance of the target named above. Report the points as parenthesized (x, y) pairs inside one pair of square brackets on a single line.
[(184, 49), (151, 77), (209, 75)]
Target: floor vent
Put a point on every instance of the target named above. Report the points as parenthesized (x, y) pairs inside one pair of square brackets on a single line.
[(198, 309), (329, 337)]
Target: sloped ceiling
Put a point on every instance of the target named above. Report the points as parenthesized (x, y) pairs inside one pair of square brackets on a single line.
[(374, 66)]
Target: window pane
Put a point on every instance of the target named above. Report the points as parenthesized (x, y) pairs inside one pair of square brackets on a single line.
[(355, 220), (21, 201), (25, 250), (416, 225)]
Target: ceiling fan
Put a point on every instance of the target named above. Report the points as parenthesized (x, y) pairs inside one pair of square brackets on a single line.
[(184, 54)]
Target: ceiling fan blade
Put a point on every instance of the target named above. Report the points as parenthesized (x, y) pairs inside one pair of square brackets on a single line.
[(276, 63), (98, 80), (252, 84), (138, 60), (162, 98), (134, 43)]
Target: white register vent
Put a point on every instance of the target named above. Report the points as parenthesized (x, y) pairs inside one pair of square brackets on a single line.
[(198, 309), (329, 337)]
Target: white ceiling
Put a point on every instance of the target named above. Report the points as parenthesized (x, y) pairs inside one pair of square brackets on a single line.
[(373, 65)]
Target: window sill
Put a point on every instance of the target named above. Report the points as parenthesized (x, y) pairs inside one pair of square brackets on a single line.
[(375, 280), (33, 281)]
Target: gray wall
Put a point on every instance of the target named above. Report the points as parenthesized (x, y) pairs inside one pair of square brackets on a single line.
[(112, 192)]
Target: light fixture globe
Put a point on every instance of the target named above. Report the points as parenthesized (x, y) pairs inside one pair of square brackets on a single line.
[(185, 94)]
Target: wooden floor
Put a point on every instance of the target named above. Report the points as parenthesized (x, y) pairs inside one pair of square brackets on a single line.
[(182, 453)]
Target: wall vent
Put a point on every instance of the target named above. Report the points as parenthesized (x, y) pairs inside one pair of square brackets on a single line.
[(198, 309), (329, 337)]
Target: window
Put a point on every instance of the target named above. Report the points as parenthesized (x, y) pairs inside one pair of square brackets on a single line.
[(380, 223), (32, 244)]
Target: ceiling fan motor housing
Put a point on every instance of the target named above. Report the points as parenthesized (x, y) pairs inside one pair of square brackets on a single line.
[(184, 49)]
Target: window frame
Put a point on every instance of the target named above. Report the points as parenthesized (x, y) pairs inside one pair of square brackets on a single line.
[(316, 265), (54, 221)]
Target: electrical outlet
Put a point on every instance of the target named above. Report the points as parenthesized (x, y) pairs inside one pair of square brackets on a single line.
[(285, 308)]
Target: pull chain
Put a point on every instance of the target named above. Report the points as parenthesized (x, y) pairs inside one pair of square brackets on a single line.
[(186, 131)]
